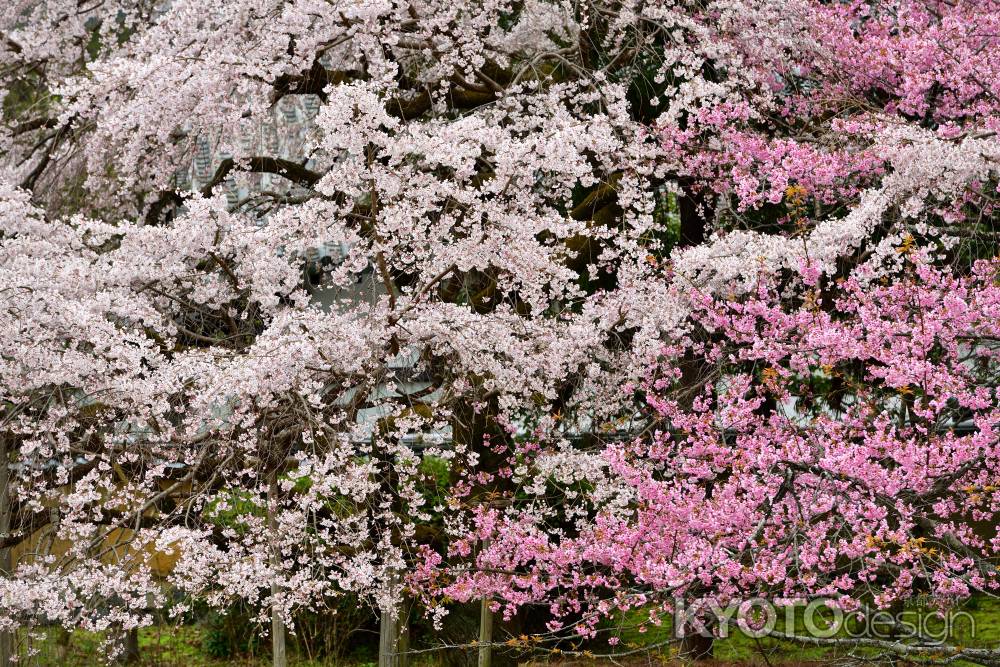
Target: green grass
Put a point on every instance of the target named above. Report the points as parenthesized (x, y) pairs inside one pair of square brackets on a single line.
[(185, 645), (159, 646)]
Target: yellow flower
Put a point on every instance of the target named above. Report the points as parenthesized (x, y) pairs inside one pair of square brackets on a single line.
[(795, 194), (907, 246)]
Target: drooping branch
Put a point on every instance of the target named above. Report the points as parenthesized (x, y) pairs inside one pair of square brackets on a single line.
[(293, 171)]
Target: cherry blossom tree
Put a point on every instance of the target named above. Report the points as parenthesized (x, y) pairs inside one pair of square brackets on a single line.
[(695, 264)]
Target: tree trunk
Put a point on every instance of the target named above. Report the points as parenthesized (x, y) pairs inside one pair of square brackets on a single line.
[(694, 213), (131, 655)]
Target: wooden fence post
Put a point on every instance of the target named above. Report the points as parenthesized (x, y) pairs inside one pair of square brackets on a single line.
[(388, 640), (279, 656), (393, 635), (7, 639), (485, 627), (485, 633), (387, 636)]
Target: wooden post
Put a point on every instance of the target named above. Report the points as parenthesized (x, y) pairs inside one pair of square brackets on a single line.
[(278, 652), (393, 636), (403, 643), (388, 636), (7, 643), (485, 633), (485, 627), (279, 655)]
